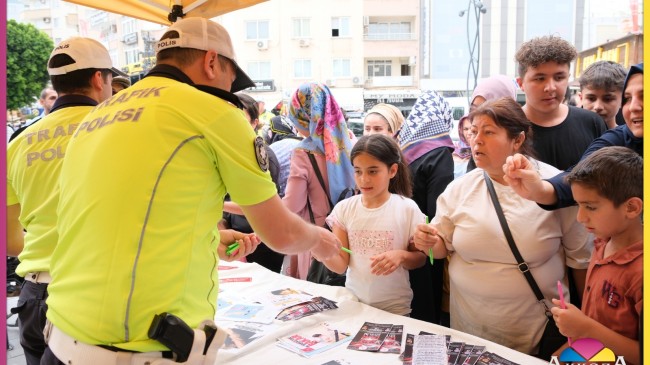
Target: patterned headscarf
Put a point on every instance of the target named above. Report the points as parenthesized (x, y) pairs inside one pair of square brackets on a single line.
[(280, 127), (315, 113), (427, 126)]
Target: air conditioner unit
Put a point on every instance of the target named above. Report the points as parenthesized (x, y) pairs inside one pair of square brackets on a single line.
[(47, 20), (263, 44), (356, 80), (304, 42), (330, 82)]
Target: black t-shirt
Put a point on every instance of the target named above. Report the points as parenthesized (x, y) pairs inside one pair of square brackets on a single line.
[(619, 136), (563, 145)]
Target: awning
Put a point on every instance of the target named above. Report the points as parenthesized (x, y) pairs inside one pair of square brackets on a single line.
[(167, 11)]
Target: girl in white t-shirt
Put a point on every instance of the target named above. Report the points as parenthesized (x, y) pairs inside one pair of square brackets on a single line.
[(377, 226)]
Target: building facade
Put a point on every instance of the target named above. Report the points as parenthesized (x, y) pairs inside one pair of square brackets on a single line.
[(58, 19), (366, 51), (130, 41)]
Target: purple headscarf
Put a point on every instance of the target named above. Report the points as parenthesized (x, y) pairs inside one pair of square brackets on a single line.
[(495, 87), (463, 149)]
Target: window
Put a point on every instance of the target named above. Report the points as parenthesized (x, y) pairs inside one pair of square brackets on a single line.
[(302, 69), (128, 25), (257, 29), (405, 70), (341, 68), (379, 68), (301, 28), (341, 26), (389, 31), (131, 55), (260, 70)]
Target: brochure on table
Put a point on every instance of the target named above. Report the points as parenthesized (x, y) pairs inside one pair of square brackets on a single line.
[(257, 342)]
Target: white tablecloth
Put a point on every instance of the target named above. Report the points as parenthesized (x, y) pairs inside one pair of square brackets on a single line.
[(350, 311)]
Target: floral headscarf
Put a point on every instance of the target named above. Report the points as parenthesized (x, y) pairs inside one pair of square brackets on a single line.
[(315, 113), (427, 126)]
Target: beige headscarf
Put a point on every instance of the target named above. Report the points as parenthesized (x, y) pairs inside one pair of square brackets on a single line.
[(392, 115)]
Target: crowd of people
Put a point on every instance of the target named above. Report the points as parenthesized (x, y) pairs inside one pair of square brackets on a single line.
[(122, 199)]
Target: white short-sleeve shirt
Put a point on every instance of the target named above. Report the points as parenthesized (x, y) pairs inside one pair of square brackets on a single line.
[(371, 232), (489, 296)]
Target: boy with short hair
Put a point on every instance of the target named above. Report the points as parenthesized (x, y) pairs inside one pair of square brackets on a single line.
[(601, 90), (608, 188), (561, 133)]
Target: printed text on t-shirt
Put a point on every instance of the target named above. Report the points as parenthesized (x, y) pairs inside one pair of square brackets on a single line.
[(369, 243)]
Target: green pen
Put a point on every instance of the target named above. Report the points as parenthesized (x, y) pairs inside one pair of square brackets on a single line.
[(231, 248), (426, 217), (346, 250)]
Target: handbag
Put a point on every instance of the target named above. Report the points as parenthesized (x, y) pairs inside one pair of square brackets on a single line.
[(552, 339), (318, 272)]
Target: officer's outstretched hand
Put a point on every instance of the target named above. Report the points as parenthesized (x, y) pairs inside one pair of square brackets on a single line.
[(328, 247), (247, 244)]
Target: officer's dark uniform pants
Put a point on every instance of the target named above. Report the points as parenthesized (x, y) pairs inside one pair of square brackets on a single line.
[(31, 311)]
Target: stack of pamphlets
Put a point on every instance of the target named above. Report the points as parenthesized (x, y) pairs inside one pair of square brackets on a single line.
[(393, 342), (407, 355), (282, 304), (315, 340), (458, 353), (297, 311), (371, 336), (429, 350)]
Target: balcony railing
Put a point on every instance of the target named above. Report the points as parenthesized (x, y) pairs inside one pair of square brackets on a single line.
[(389, 36)]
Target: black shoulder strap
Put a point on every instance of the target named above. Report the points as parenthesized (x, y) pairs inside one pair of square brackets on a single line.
[(312, 159), (523, 266), (311, 212)]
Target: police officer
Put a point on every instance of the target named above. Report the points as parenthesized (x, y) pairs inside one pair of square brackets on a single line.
[(142, 190), (81, 72)]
